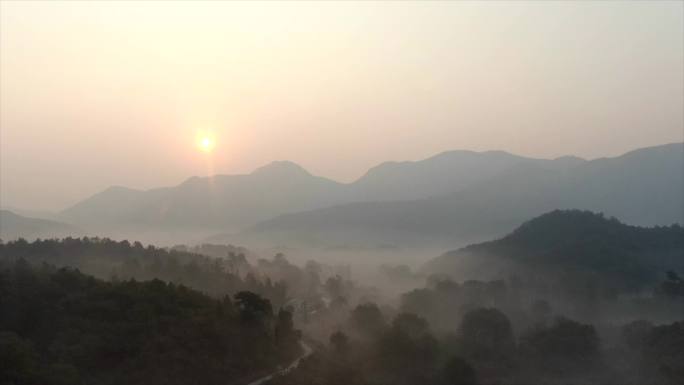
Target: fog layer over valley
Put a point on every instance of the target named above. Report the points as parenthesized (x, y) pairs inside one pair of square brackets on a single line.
[(568, 297)]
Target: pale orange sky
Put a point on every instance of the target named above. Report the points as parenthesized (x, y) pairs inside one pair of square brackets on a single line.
[(94, 94)]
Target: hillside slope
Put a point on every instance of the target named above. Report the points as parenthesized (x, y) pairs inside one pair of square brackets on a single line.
[(13, 226), (566, 242)]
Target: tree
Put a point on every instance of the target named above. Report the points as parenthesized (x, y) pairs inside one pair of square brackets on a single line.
[(17, 360), (313, 273), (418, 301), (673, 286), (340, 342), (367, 320), (284, 329), (254, 309), (334, 287), (411, 324), (564, 347), (486, 335), (61, 327), (408, 359), (457, 371), (635, 334), (286, 336), (664, 351), (541, 311)]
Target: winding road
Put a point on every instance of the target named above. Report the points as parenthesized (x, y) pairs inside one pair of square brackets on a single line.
[(307, 352)]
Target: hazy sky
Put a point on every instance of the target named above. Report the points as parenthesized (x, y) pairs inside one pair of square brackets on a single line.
[(114, 93)]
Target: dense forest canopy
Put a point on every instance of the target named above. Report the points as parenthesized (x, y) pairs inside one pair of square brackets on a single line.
[(372, 348), (597, 302), (106, 258), (59, 326)]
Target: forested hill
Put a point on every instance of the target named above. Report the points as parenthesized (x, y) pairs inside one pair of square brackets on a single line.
[(556, 231), (105, 258), (59, 326), (577, 241)]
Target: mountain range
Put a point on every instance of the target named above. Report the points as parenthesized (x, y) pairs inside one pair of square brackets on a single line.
[(643, 187), (237, 201), (443, 201)]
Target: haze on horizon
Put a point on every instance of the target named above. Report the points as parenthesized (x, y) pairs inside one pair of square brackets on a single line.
[(114, 93)]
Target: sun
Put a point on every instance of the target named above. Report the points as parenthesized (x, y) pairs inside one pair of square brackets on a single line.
[(206, 142)]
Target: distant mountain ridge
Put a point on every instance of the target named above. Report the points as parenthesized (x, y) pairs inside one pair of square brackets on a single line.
[(222, 201), (441, 174), (282, 187), (397, 203), (13, 226), (642, 187)]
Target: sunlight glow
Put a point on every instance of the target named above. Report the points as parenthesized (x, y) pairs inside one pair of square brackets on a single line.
[(206, 142)]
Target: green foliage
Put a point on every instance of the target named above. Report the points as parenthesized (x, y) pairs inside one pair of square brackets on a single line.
[(635, 334), (664, 351), (17, 359), (286, 336), (335, 287), (655, 353), (405, 358), (563, 247), (672, 287), (486, 336), (410, 324), (458, 372), (540, 312), (340, 342), (105, 258), (367, 320), (444, 304), (254, 310), (59, 326), (564, 347), (405, 353)]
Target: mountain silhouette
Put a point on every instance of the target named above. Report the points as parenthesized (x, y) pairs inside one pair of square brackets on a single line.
[(447, 200), (642, 187), (13, 226)]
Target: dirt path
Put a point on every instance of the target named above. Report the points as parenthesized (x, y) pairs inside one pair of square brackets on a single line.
[(307, 352)]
